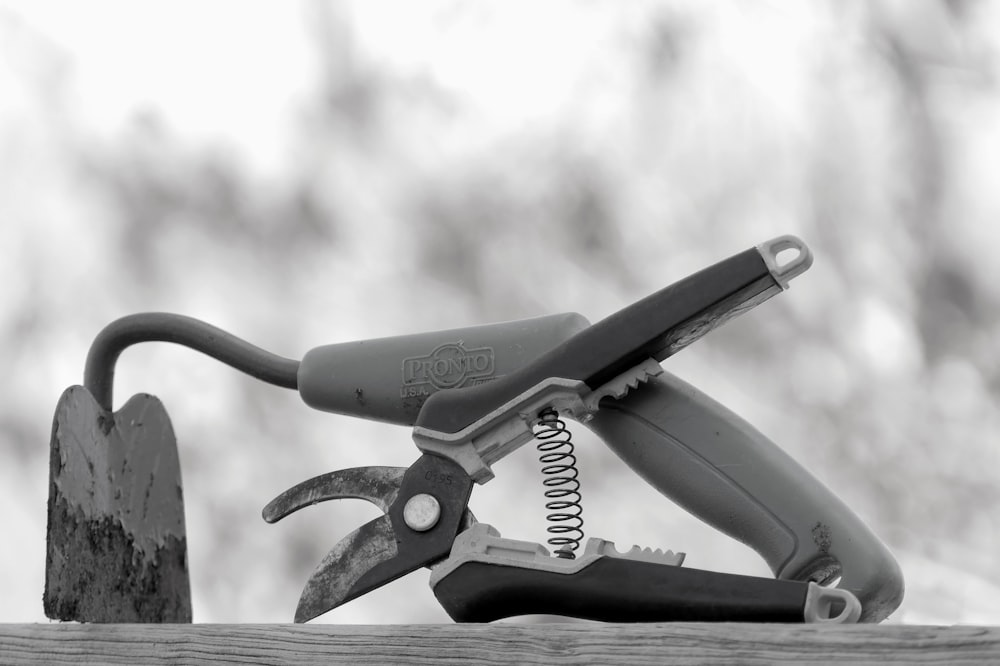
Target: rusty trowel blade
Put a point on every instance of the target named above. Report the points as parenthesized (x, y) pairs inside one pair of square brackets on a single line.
[(117, 550)]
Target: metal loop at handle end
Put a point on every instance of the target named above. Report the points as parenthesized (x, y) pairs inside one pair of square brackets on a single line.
[(831, 605), (784, 272)]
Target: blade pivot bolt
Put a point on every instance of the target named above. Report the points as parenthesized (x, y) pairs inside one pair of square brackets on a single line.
[(421, 512)]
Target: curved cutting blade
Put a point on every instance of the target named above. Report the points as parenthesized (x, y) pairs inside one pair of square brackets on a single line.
[(341, 576), (335, 580), (386, 548), (378, 485)]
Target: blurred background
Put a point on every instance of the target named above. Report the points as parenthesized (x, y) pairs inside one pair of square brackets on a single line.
[(305, 173)]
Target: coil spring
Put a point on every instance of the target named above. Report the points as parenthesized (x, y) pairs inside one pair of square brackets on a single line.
[(554, 442)]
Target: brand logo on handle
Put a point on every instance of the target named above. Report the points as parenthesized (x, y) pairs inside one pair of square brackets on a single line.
[(450, 365)]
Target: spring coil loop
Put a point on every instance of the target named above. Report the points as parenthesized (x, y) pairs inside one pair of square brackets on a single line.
[(562, 488)]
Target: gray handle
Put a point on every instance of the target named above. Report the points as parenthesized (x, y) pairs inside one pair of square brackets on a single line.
[(721, 469), (389, 379)]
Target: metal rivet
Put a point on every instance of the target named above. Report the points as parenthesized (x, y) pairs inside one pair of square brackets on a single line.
[(421, 512)]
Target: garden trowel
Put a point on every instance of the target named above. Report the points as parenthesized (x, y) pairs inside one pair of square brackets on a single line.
[(117, 550)]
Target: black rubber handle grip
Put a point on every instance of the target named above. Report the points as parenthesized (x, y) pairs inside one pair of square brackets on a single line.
[(657, 326), (618, 590)]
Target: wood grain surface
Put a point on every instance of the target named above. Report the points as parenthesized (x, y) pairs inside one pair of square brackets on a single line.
[(547, 644)]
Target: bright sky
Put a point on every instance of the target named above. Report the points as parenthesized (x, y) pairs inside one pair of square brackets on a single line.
[(225, 69), (234, 70)]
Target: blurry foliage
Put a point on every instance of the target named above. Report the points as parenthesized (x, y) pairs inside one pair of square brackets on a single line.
[(403, 208), (152, 182)]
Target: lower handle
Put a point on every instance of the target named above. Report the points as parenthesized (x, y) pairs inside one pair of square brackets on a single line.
[(619, 590)]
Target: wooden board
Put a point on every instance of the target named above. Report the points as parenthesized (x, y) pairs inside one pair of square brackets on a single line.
[(543, 644)]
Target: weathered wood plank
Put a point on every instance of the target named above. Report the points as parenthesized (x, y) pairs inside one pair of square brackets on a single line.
[(546, 644)]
